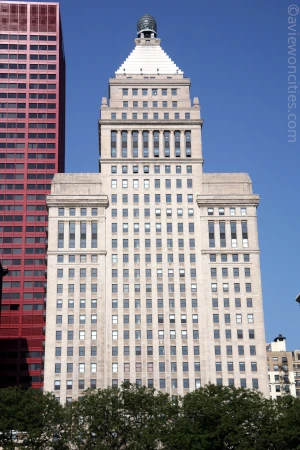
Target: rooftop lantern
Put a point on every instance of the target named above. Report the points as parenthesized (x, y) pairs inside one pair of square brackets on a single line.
[(146, 27)]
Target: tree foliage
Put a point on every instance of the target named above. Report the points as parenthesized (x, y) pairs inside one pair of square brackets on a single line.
[(213, 417), (29, 418)]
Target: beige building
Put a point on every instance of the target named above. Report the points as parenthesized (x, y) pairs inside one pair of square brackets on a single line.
[(154, 272), (296, 368), (281, 370)]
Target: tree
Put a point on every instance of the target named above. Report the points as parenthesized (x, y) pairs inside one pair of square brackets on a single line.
[(29, 417), (95, 421), (221, 418), (129, 417), (286, 433), (147, 415)]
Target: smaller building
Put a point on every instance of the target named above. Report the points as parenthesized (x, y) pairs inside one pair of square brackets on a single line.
[(280, 368), (296, 368)]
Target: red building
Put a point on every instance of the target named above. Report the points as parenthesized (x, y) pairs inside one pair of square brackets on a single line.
[(32, 150)]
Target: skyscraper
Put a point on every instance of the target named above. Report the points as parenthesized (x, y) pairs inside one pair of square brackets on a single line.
[(32, 150), (154, 272)]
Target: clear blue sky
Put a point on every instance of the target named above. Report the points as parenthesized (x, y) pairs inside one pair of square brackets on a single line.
[(235, 53)]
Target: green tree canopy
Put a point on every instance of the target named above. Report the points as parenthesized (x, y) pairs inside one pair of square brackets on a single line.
[(131, 418)]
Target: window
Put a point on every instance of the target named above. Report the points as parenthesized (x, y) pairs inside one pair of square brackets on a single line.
[(195, 334), (225, 287), (222, 234), (229, 350), (215, 303), (81, 334), (230, 366), (245, 234), (217, 350), (237, 302), (239, 334), (227, 318), (215, 318), (238, 318), (249, 302), (114, 335), (253, 367), (218, 366), (216, 334), (211, 233), (250, 318), (60, 235), (233, 234), (186, 383), (228, 334), (226, 302), (252, 350), (237, 287)]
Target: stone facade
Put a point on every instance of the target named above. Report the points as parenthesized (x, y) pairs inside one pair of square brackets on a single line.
[(179, 301)]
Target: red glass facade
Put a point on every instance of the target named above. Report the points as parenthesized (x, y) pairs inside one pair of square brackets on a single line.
[(32, 150)]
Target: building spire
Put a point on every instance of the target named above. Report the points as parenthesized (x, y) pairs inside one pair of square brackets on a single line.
[(146, 27)]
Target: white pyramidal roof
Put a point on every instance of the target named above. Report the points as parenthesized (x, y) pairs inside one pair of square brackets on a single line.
[(149, 60)]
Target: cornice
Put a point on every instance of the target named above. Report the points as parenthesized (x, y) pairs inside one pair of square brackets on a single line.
[(208, 251), (78, 251), (77, 200), (149, 160), (228, 200), (159, 80), (165, 124)]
